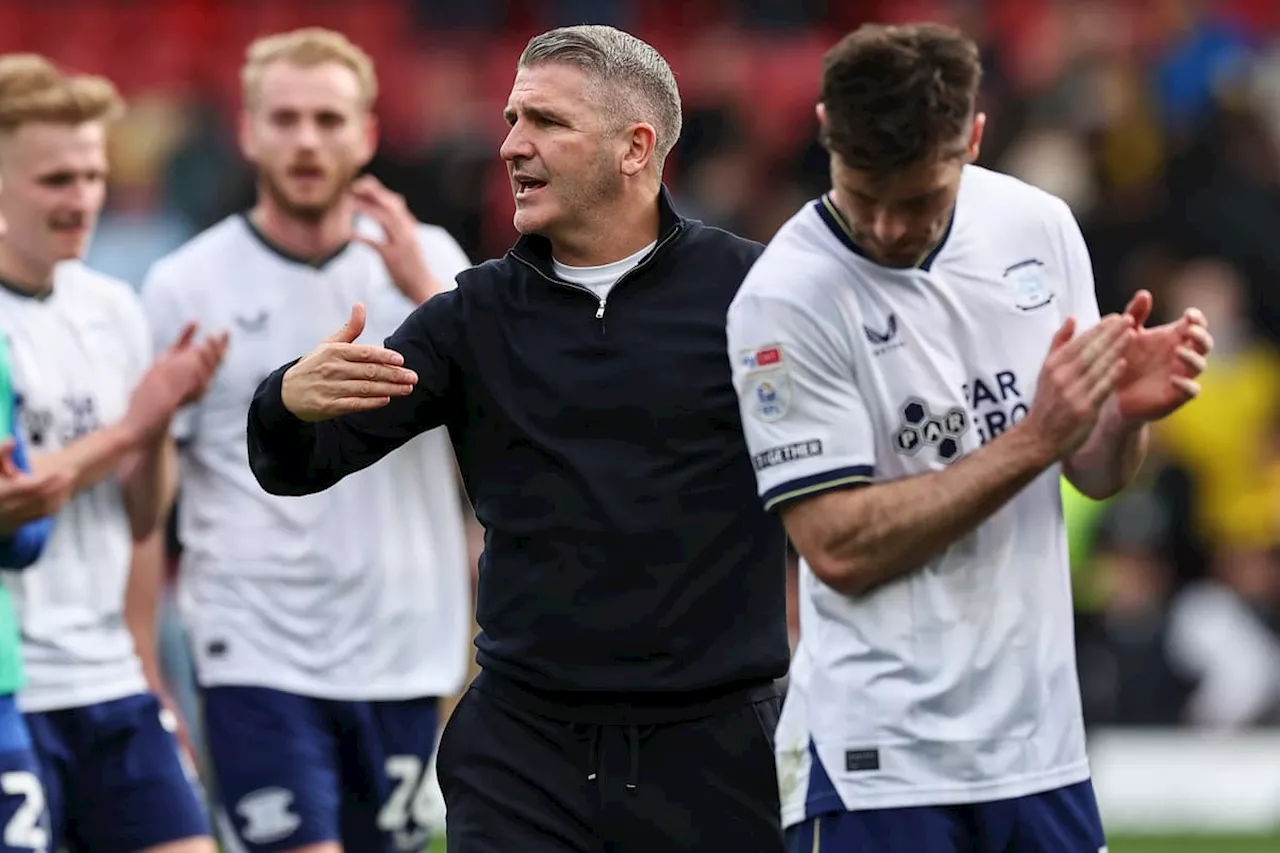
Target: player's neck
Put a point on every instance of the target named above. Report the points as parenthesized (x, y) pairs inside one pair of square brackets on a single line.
[(613, 234), (302, 238), (23, 274)]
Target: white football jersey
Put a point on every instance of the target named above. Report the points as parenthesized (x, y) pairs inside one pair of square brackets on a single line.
[(77, 356), (359, 592), (955, 683)]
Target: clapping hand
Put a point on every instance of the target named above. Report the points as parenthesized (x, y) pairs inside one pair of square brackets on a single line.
[(26, 497), (179, 376), (1079, 374), (1162, 362)]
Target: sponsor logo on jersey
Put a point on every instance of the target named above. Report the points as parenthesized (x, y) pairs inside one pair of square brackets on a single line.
[(996, 403), (921, 427), (763, 358), (886, 339)]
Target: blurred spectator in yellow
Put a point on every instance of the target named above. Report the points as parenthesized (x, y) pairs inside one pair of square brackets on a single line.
[(1223, 439)]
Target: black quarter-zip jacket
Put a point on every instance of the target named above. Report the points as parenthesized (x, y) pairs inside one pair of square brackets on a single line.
[(628, 561)]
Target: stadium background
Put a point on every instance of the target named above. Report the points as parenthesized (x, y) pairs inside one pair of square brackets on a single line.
[(1158, 120)]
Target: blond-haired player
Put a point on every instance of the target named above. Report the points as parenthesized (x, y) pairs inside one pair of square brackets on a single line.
[(323, 627), (94, 406)]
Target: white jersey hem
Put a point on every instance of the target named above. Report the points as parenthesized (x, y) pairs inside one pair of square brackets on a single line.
[(978, 792), (37, 701), (371, 692)]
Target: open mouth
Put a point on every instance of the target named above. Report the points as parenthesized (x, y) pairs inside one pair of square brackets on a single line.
[(70, 229), (527, 186), (306, 173)]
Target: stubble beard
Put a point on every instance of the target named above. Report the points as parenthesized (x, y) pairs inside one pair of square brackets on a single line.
[(309, 213)]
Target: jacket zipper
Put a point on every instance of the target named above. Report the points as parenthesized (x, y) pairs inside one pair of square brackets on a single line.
[(601, 302)]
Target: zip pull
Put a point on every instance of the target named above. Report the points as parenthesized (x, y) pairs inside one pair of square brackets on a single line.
[(600, 311)]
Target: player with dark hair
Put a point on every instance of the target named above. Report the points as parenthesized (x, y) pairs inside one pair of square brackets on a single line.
[(919, 357)]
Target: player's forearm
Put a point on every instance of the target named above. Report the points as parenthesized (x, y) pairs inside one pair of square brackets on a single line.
[(90, 459), (879, 533), (1110, 459), (142, 604), (149, 475)]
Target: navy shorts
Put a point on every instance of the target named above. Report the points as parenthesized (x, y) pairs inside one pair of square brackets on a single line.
[(1064, 820), (114, 778), (24, 817), (292, 770)]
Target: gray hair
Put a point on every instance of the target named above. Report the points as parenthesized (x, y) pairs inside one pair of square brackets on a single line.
[(643, 87)]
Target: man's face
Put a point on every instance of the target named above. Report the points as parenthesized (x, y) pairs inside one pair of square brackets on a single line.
[(309, 133), (55, 183), (562, 154), (898, 218)]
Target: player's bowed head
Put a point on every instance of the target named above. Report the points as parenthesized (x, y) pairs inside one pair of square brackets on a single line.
[(898, 117)]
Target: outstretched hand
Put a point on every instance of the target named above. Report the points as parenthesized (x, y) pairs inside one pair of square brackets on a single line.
[(1162, 362), (340, 376)]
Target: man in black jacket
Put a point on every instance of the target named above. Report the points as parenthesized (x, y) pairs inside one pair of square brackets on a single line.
[(631, 593)]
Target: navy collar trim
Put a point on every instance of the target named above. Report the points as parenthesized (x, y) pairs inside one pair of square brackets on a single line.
[(839, 226)]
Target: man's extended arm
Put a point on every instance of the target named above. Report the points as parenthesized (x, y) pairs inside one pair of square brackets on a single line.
[(344, 406)]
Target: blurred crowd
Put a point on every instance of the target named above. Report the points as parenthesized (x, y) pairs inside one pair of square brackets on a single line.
[(1157, 120)]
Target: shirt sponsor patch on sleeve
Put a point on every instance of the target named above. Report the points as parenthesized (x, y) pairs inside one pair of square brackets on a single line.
[(793, 452), (762, 358)]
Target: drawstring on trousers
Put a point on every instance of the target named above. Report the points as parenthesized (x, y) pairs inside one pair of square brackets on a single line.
[(634, 734)]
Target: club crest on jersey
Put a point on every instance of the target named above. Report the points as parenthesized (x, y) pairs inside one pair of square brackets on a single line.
[(1030, 288), (770, 395)]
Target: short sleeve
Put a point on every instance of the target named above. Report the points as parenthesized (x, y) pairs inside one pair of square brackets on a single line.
[(166, 316), (1081, 293), (806, 424)]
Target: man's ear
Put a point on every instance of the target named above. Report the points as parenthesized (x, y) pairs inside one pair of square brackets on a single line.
[(643, 142), (975, 137)]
